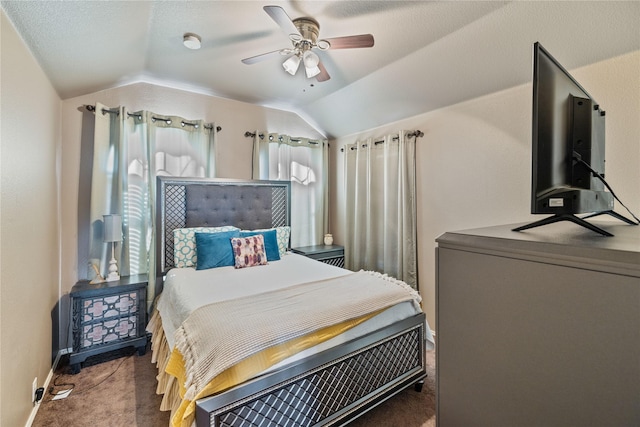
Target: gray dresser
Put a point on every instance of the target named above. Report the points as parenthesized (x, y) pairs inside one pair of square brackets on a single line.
[(538, 328)]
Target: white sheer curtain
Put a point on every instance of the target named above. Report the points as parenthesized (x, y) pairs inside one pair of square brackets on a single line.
[(304, 162), (130, 150), (380, 213)]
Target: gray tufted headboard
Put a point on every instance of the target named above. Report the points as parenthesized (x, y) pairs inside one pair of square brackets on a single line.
[(206, 202)]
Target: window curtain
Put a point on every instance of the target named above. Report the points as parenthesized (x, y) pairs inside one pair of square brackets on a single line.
[(304, 162), (130, 150), (380, 189)]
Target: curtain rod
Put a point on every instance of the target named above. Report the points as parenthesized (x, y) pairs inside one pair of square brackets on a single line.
[(184, 123), (248, 134), (417, 133)]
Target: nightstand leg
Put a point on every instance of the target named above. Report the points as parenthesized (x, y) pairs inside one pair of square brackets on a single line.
[(142, 350)]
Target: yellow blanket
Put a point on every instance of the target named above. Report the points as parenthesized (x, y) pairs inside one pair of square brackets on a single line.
[(226, 343)]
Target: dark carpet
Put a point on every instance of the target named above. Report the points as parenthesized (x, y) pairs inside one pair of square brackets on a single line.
[(119, 390)]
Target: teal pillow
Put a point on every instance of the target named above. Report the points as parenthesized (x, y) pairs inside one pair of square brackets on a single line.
[(184, 243), (270, 242), (214, 249)]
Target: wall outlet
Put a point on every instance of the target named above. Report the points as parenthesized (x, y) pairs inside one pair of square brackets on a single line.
[(34, 387)]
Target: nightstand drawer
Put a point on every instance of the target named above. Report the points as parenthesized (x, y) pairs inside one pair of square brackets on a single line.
[(106, 331), (109, 306)]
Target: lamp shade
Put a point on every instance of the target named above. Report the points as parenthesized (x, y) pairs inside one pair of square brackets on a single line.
[(291, 64), (311, 62), (112, 228), (310, 59), (312, 71)]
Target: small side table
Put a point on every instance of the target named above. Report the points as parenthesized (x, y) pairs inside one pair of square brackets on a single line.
[(329, 254), (108, 316)]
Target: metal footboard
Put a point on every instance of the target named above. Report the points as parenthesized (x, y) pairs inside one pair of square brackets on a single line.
[(328, 388)]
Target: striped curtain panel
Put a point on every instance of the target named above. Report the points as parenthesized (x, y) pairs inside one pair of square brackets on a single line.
[(130, 149)]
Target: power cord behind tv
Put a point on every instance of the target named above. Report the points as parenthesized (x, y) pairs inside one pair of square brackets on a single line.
[(578, 158)]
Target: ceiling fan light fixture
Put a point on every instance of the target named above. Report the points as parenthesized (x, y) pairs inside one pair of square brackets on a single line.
[(191, 41), (310, 59), (312, 71), (323, 44), (311, 62), (303, 33), (291, 64)]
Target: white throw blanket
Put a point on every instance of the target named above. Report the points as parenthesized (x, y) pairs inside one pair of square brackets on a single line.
[(217, 336)]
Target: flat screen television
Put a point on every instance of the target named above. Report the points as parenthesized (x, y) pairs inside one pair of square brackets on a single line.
[(568, 148)]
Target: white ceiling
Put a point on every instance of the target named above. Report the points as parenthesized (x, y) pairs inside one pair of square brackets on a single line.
[(427, 55)]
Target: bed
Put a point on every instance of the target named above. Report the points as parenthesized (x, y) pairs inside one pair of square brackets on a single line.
[(348, 359)]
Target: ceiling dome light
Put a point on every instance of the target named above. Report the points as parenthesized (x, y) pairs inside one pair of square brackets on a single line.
[(191, 41), (291, 64)]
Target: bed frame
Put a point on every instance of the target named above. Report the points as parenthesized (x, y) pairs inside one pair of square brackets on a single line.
[(328, 388)]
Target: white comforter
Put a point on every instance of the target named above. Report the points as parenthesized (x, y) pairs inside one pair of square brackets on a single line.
[(186, 289)]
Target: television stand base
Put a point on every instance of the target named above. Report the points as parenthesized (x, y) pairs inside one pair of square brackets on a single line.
[(564, 217), (613, 214)]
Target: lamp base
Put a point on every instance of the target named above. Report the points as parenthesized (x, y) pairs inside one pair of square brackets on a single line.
[(112, 277), (113, 271)]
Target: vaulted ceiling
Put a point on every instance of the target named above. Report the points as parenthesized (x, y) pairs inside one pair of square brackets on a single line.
[(427, 54)]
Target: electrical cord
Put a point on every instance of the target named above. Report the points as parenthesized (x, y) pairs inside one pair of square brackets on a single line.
[(578, 158), (73, 385)]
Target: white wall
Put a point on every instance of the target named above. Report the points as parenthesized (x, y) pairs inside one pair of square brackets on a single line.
[(29, 262), (474, 161)]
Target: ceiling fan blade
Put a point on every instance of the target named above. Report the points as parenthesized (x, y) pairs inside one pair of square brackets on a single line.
[(282, 19), (350, 42), (324, 75), (264, 56)]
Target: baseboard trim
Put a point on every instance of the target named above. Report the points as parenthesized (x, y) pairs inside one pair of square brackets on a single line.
[(34, 411)]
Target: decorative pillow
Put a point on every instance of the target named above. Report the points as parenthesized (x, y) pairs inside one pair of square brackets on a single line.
[(184, 243), (282, 235), (270, 242), (249, 251), (214, 249)]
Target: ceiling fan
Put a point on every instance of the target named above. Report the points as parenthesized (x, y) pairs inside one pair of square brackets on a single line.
[(303, 33)]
